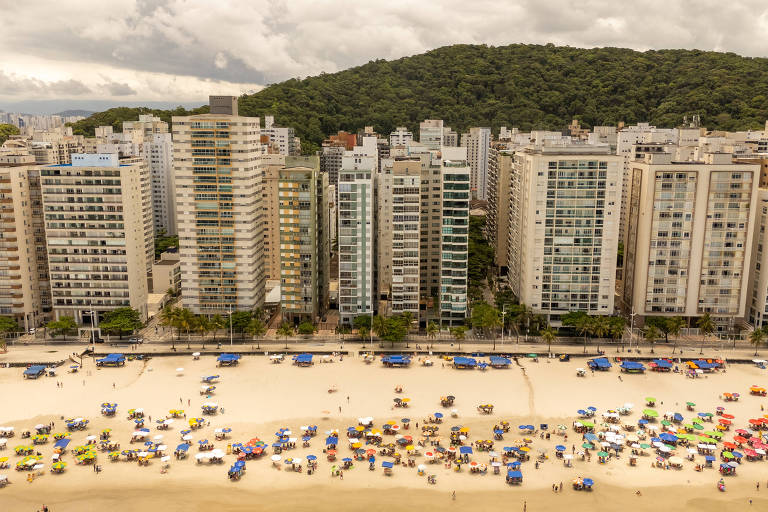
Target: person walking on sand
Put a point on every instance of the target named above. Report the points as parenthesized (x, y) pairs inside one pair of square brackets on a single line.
[(453, 495)]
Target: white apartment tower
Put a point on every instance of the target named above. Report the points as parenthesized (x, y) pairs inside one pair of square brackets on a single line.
[(690, 232), (400, 137), (356, 235), (398, 234), (431, 133), (96, 219), (217, 166), (478, 144), (564, 221)]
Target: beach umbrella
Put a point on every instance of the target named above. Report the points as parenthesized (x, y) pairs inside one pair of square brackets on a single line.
[(560, 448), (603, 454)]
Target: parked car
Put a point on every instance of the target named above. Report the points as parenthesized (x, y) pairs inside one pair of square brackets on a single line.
[(136, 341)]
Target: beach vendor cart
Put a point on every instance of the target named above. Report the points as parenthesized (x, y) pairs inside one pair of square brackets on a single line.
[(387, 467)]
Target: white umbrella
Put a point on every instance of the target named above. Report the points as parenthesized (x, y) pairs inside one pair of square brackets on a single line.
[(217, 453), (38, 467), (422, 467), (179, 370), (162, 447), (143, 454), (39, 426), (664, 449), (3, 441), (297, 460), (158, 437), (168, 421), (141, 411), (196, 354), (496, 464), (187, 438), (166, 458), (90, 438), (287, 432), (629, 405), (292, 439), (567, 456), (202, 456), (635, 446), (276, 458), (303, 428)]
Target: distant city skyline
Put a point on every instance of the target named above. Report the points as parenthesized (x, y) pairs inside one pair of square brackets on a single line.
[(135, 52)]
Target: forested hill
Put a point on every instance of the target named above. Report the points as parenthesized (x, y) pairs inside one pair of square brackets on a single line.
[(528, 86)]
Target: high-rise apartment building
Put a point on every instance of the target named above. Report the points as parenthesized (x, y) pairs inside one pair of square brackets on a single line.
[(22, 295), (400, 137), (330, 160), (95, 224), (356, 236), (431, 133), (281, 140), (758, 276), (398, 231), (450, 137), (690, 233), (304, 251), (564, 216), (273, 163), (500, 166), (478, 143), (218, 172), (455, 238), (158, 151)]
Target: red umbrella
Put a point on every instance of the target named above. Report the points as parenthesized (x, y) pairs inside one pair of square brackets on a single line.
[(742, 432), (740, 440), (750, 453), (725, 422), (728, 416), (755, 421), (730, 446)]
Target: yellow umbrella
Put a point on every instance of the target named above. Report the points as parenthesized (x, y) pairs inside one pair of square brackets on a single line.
[(359, 428), (525, 449), (356, 445), (464, 430), (409, 447)]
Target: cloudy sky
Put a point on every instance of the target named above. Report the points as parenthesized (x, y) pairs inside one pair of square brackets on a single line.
[(183, 50)]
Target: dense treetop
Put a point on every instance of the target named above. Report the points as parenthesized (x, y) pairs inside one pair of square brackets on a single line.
[(528, 86)]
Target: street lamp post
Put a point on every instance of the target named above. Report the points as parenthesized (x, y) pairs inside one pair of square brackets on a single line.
[(631, 327), (230, 325)]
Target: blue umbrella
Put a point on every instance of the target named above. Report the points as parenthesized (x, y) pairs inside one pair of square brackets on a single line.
[(703, 415), (408, 420), (465, 449), (371, 459), (588, 482), (311, 457), (455, 429), (642, 421), (737, 455), (592, 408), (581, 412), (351, 429), (438, 415), (306, 438), (346, 459), (276, 445), (498, 431), (560, 448), (523, 427)]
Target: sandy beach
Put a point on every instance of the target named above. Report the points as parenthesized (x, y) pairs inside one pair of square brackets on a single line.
[(259, 397)]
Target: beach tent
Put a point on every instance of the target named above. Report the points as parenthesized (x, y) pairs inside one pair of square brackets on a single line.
[(228, 359), (661, 365), (396, 360), (514, 477), (500, 362), (464, 362), (632, 367), (34, 371), (465, 450), (302, 360), (599, 363), (111, 360), (61, 445)]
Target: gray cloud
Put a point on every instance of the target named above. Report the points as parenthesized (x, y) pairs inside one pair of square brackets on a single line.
[(118, 89), (264, 41), (13, 85)]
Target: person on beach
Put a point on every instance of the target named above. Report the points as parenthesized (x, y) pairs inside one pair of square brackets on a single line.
[(453, 495)]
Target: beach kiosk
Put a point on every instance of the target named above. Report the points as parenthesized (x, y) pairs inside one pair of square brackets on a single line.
[(464, 363), (396, 361), (600, 364), (302, 360), (34, 371), (113, 360), (661, 365), (514, 477), (632, 367), (228, 359), (499, 362)]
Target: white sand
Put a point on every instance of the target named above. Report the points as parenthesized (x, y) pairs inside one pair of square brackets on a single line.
[(259, 397)]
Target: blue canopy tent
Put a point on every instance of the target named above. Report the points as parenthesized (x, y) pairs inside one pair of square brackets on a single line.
[(111, 360), (61, 445), (465, 450), (210, 379), (464, 362), (396, 360), (329, 441), (514, 476), (500, 362), (632, 367), (302, 360), (588, 483), (662, 365), (228, 359), (34, 371), (388, 465), (599, 363)]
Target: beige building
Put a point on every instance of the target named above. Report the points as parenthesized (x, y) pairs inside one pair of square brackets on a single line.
[(272, 165), (96, 231), (20, 275), (166, 273), (218, 172), (690, 233), (398, 227), (564, 221), (500, 166)]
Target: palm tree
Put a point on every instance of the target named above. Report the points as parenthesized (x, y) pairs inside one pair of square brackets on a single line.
[(363, 332), (202, 325), (185, 322), (707, 327), (379, 325), (675, 323), (257, 329), (600, 328), (432, 330), (584, 327), (459, 333), (168, 318), (651, 334), (285, 331), (756, 337), (218, 322), (549, 335)]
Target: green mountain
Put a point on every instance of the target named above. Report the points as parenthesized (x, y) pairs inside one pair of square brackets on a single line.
[(528, 86)]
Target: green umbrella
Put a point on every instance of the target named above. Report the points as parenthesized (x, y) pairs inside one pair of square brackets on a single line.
[(588, 424), (532, 355), (666, 423), (603, 454), (690, 404), (588, 446), (650, 413), (709, 414), (650, 399), (728, 455), (688, 426), (644, 446), (698, 426)]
